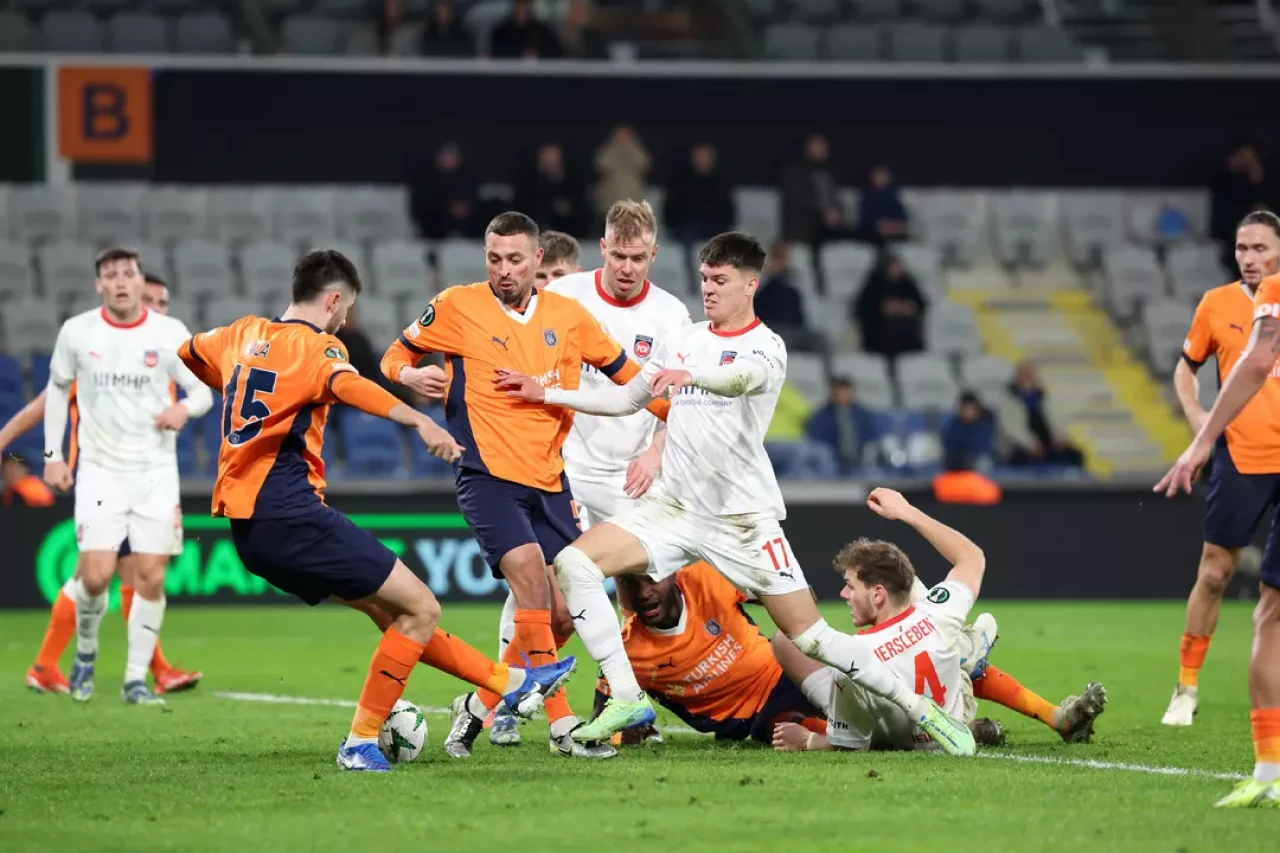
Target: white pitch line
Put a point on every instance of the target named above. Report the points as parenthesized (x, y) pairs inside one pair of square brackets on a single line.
[(1089, 763)]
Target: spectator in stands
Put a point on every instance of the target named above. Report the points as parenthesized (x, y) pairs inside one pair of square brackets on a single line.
[(889, 310), (443, 35), (552, 195), (699, 202), (623, 165), (21, 485), (843, 425), (389, 23), (811, 211), (1240, 187), (882, 217), (1040, 444), (523, 36), (581, 38), (443, 197), (780, 304), (969, 436)]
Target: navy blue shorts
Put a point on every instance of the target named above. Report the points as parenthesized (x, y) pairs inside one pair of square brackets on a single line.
[(314, 556), (1234, 509), (785, 698), (504, 515)]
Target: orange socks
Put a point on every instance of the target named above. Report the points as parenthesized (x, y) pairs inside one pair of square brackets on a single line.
[(1003, 689), (158, 662), (533, 637), (1265, 723), (62, 627), (388, 673), (460, 659), (1191, 657)]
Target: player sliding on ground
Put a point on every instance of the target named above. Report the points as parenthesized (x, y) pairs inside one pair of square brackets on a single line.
[(279, 378), (717, 500), (922, 641), (1254, 370)]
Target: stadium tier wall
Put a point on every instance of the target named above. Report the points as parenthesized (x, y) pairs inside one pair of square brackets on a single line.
[(1040, 545)]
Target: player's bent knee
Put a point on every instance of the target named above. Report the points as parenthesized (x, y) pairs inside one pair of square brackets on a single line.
[(1217, 566), (525, 571), (96, 571)]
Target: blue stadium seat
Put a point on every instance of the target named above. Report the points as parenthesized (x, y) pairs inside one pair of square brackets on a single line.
[(12, 387), (39, 372), (424, 464), (333, 471), (209, 427), (188, 458), (372, 446)]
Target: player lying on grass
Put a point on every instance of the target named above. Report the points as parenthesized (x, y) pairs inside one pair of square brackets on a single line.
[(44, 676), (280, 377), (698, 653)]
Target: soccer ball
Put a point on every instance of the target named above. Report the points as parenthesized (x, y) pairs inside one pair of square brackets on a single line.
[(403, 734)]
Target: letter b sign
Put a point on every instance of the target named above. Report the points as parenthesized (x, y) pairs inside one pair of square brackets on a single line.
[(104, 115)]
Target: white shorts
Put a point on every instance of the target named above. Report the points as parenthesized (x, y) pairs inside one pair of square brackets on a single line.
[(599, 501), (858, 719), (750, 550), (144, 508)]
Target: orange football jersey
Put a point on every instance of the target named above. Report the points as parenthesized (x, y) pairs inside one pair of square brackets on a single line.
[(1221, 328), (714, 667), (550, 341), (277, 379)]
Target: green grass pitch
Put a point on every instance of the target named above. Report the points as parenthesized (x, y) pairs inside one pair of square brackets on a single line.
[(215, 773)]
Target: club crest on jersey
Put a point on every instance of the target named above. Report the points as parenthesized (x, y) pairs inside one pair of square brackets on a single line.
[(728, 356), (151, 358), (644, 346), (713, 627), (549, 335)]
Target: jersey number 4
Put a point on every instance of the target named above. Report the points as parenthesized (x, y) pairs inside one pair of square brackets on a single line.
[(927, 676), (251, 411)]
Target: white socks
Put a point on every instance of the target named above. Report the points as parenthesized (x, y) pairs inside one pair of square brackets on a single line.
[(71, 589), (145, 620), (853, 656), (506, 624), (596, 621), (89, 612), (1266, 771)]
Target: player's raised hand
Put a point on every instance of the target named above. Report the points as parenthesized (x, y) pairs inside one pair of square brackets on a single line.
[(669, 382), (641, 473), (174, 418), (1184, 471), (429, 381), (790, 737), (58, 476), (519, 386), (887, 503), (438, 440)]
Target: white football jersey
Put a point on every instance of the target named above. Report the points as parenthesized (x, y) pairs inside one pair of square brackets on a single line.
[(598, 449), (920, 646), (715, 462), (123, 377)]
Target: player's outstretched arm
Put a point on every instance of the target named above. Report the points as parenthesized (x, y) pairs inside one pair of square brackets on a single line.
[(610, 400), (350, 388), (30, 415), (968, 563), (199, 359)]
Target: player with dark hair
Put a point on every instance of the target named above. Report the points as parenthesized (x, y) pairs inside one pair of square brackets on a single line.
[(279, 378), (510, 478), (1246, 460), (560, 254), (718, 499)]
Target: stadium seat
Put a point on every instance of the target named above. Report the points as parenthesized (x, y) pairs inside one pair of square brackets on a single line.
[(1143, 209), (1007, 11), (110, 213), (186, 310), (759, 212), (943, 11), (266, 267), (374, 213), (173, 7), (406, 40), (869, 374), (239, 214), (13, 391), (1194, 268), (878, 10), (224, 312), (362, 41), (1046, 44), (372, 446), (980, 43), (1133, 275), (926, 383), (1208, 378), (72, 31), (203, 33), (202, 268), (808, 375), (39, 372), (188, 457), (1092, 222), (209, 428), (987, 376), (670, 270), (138, 32), (917, 43), (17, 278), (30, 325), (66, 269), (1023, 226), (17, 34), (400, 269), (460, 262), (951, 328), (303, 216), (378, 318), (40, 212), (792, 41), (173, 213), (855, 43), (308, 35), (804, 274), (347, 9), (761, 10), (154, 258), (924, 263), (813, 11), (1165, 323), (845, 266), (950, 221), (424, 464)]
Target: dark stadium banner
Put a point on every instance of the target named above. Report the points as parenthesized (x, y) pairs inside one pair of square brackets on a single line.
[(246, 126), (23, 127), (1079, 545)]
